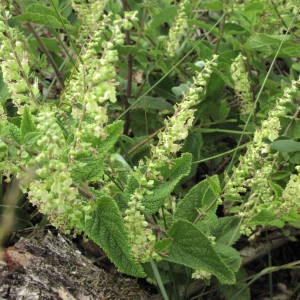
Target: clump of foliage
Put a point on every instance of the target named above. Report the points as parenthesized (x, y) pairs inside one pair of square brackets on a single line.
[(124, 111)]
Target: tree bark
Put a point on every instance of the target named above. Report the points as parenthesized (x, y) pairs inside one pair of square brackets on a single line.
[(52, 268)]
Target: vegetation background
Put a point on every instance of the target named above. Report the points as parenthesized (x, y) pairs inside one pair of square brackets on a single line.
[(165, 131)]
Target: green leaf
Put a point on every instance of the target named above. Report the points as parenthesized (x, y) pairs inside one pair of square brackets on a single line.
[(55, 3), (267, 217), (286, 146), (163, 245), (106, 228), (193, 144), (227, 231), (153, 103), (293, 218), (3, 150), (40, 14), (172, 174), (87, 168), (213, 5), (296, 67), (165, 15), (4, 93), (229, 255), (114, 131), (294, 130), (12, 132), (232, 28), (190, 247), (51, 44), (207, 223), (202, 196), (180, 89), (27, 123), (239, 291), (264, 43)]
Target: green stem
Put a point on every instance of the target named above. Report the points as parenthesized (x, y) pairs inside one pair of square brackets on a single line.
[(221, 154), (66, 31), (166, 74), (158, 280), (260, 92), (51, 60)]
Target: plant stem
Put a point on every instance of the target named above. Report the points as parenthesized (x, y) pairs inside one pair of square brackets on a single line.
[(47, 53), (260, 92), (221, 154), (158, 280), (167, 73), (138, 145)]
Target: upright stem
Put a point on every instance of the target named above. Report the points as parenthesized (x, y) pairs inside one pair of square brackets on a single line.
[(129, 72), (158, 280), (47, 53)]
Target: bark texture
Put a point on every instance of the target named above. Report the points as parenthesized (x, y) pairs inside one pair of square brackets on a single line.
[(52, 268)]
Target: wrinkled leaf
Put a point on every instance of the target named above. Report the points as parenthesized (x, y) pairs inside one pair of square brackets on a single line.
[(229, 255), (201, 197), (87, 168), (227, 230), (173, 174), (11, 132), (267, 217), (106, 228), (190, 247), (239, 291)]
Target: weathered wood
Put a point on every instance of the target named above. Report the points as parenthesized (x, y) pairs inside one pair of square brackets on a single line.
[(52, 268)]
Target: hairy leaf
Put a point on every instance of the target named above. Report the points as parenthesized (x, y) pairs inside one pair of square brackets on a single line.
[(153, 103), (11, 132), (229, 255), (267, 217), (114, 131), (202, 196), (90, 168), (227, 230), (106, 228), (192, 248), (87, 168), (173, 174)]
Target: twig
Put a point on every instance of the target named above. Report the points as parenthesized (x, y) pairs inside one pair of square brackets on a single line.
[(134, 148), (47, 53), (23, 73)]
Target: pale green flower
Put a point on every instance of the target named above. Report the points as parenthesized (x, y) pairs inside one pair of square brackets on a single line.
[(90, 15), (242, 85), (253, 173), (170, 141), (177, 127), (200, 274), (177, 30), (291, 194), (92, 85), (15, 65)]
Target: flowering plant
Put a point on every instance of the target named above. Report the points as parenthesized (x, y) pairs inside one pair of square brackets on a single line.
[(84, 83)]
